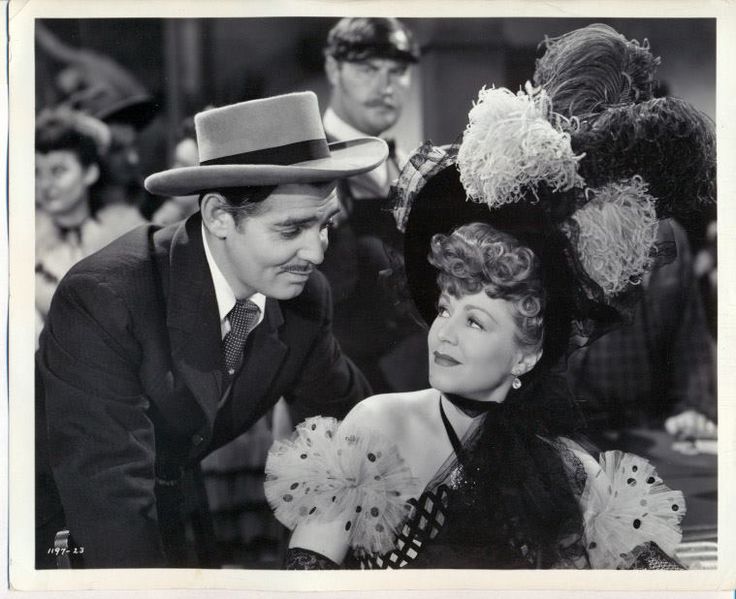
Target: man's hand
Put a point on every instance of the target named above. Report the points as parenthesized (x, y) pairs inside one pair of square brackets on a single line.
[(691, 424)]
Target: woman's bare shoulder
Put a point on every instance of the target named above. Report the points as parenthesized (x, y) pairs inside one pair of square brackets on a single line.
[(390, 412)]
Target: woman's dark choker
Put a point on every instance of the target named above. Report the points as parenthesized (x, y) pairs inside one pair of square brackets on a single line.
[(470, 407)]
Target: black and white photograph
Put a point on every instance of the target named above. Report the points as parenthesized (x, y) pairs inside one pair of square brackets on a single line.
[(369, 290)]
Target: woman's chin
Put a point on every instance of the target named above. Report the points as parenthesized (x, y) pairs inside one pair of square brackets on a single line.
[(445, 384)]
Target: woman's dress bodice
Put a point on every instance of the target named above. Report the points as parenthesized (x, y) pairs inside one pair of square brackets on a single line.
[(451, 523)]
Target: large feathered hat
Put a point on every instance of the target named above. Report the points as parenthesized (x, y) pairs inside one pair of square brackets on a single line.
[(531, 172)]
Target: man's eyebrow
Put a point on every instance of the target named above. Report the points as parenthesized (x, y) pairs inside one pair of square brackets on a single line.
[(333, 213), (295, 221)]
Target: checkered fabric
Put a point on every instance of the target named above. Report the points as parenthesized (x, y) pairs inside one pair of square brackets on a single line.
[(424, 523), (243, 318)]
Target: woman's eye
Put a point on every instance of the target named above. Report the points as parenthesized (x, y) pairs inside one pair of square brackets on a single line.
[(475, 324), (442, 311)]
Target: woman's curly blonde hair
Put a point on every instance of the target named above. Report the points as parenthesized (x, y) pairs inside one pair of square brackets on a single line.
[(476, 257)]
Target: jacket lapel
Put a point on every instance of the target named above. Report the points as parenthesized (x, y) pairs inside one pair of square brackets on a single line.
[(193, 318)]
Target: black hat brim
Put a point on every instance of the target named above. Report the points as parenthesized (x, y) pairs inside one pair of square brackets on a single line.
[(441, 206)]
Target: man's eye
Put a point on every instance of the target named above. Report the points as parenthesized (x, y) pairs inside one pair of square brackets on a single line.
[(330, 224), (290, 233)]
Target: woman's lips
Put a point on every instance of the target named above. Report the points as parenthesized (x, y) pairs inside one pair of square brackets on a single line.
[(444, 360)]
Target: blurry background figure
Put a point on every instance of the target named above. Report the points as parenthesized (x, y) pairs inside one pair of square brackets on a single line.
[(368, 65), (658, 371), (706, 272), (248, 536), (185, 154), (97, 85), (72, 218)]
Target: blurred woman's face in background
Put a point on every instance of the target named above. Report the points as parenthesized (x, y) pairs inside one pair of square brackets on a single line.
[(473, 346), (186, 153), (62, 182)]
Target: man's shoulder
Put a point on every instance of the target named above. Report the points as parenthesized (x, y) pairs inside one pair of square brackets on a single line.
[(126, 265), (119, 255)]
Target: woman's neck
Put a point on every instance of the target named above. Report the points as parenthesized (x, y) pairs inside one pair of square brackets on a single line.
[(461, 413)]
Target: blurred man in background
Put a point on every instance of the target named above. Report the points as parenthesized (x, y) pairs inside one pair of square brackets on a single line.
[(368, 63)]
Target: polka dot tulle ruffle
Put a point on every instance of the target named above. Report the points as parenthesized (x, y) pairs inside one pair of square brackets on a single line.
[(327, 472), (625, 506)]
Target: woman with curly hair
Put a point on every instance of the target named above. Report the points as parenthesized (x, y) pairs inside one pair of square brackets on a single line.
[(70, 220), (514, 259)]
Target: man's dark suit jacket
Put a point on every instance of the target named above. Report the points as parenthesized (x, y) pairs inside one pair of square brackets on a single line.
[(131, 366)]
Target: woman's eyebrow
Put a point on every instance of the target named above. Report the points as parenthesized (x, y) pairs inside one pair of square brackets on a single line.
[(474, 307)]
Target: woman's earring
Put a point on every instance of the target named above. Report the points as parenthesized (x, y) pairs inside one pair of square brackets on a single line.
[(516, 383)]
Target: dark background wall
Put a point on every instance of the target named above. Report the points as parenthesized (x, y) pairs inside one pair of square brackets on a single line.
[(190, 63)]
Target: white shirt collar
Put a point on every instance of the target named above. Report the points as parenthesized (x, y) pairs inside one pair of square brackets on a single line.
[(223, 292), (337, 128), (372, 184)]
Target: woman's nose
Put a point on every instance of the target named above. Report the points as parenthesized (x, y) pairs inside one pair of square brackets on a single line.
[(446, 331), (43, 183)]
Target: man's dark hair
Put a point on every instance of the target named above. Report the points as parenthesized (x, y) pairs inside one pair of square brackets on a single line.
[(242, 202), (362, 38)]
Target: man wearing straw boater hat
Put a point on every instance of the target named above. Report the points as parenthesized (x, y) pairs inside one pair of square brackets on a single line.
[(172, 341)]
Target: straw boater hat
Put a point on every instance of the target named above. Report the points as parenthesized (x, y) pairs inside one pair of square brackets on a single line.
[(272, 141)]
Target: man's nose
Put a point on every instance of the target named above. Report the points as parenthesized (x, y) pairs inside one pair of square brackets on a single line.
[(315, 244), (385, 81)]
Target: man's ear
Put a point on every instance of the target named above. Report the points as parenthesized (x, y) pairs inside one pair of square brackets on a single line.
[(332, 69), (218, 222), (91, 174)]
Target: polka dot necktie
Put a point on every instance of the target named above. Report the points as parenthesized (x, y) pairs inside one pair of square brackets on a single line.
[(243, 319)]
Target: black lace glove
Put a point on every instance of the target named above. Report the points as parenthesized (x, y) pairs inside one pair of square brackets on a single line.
[(304, 559), (653, 558)]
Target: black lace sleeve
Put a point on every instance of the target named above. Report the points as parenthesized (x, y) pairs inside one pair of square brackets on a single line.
[(305, 559), (651, 557)]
